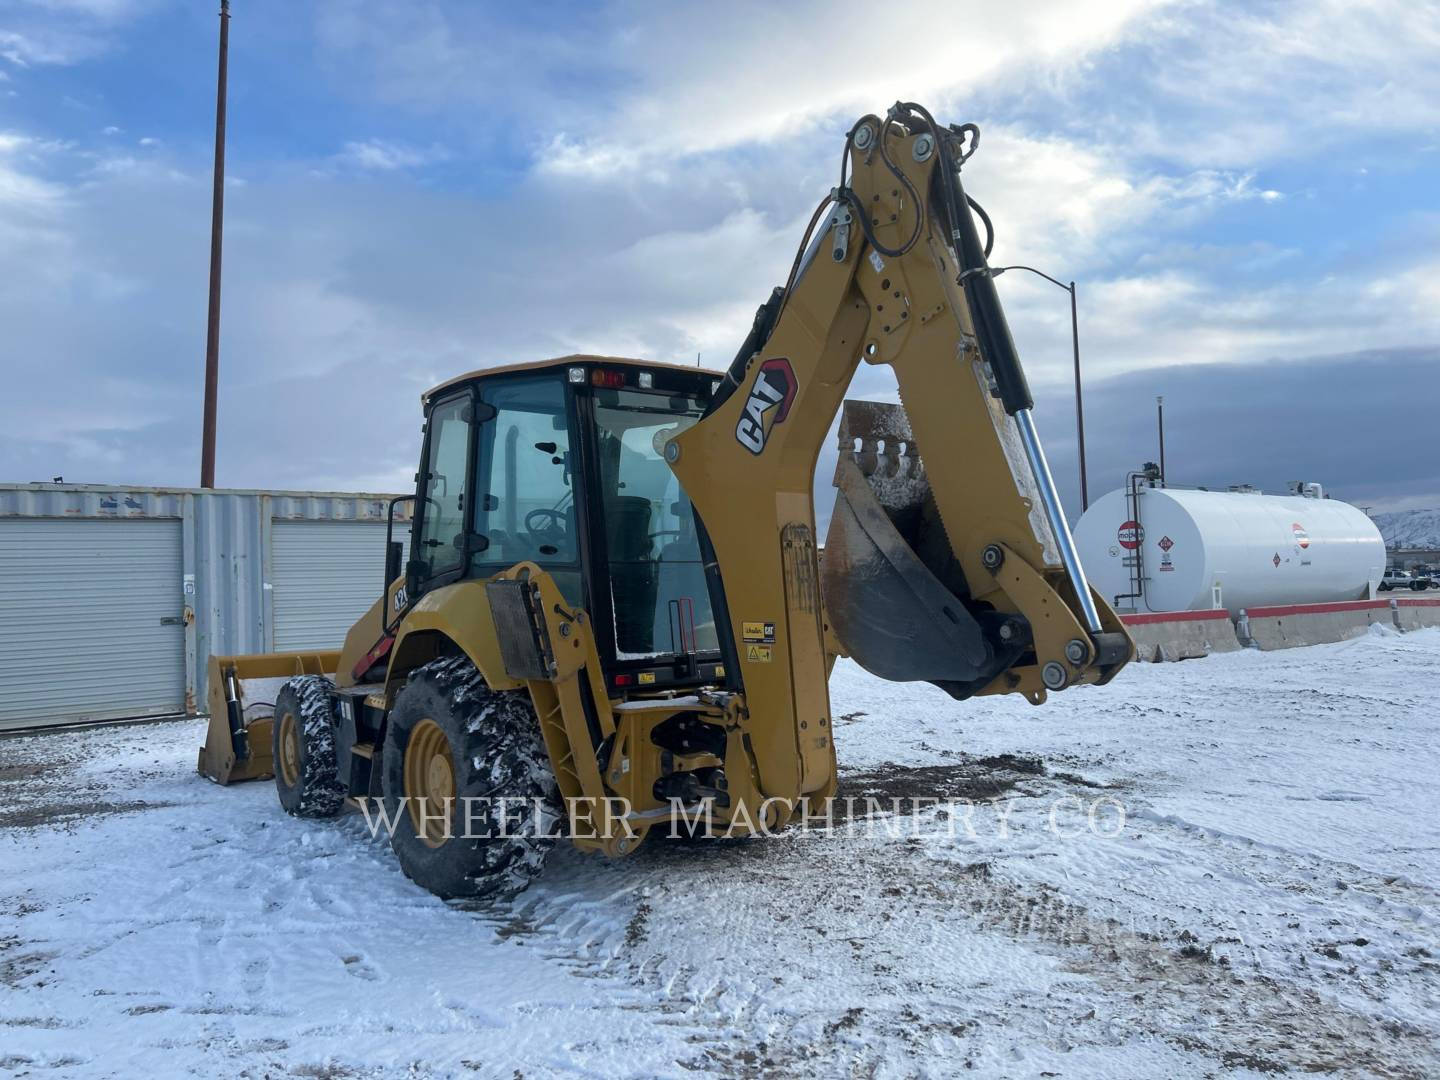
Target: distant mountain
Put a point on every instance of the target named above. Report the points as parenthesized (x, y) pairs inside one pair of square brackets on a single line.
[(1410, 528)]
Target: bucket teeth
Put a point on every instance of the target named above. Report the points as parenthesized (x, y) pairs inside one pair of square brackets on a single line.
[(876, 436), (892, 586)]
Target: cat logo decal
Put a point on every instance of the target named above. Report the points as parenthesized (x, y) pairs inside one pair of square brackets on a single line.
[(771, 395)]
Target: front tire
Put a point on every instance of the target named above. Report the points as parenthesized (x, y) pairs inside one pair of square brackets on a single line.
[(303, 748), (466, 778)]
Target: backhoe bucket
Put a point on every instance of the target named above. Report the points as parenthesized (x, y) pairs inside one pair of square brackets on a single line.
[(242, 703), (889, 578)]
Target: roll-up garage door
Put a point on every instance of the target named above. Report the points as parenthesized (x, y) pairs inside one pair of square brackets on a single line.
[(324, 576), (90, 619)]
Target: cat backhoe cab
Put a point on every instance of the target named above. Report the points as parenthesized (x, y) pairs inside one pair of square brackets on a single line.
[(614, 619)]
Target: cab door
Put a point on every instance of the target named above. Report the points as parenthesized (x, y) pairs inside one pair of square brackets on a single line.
[(442, 538), (527, 508)]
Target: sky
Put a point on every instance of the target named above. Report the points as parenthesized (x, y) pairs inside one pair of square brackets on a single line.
[(1245, 194)]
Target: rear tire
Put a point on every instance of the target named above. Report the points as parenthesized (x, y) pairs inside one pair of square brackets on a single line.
[(303, 745), (450, 736)]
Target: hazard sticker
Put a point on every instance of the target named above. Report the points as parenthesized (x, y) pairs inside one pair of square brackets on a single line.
[(1276, 560), (1130, 534), (1165, 543), (758, 631), (758, 654)]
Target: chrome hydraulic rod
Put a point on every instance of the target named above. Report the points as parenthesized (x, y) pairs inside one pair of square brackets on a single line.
[(1055, 515)]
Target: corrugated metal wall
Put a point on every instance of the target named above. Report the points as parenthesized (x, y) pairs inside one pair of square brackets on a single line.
[(325, 575), (222, 585)]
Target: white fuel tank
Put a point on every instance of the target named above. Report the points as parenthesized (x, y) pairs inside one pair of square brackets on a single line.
[(1198, 550)]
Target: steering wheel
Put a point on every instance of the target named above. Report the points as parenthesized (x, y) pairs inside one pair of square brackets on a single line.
[(546, 526)]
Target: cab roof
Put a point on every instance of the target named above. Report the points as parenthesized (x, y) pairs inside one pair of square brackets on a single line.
[(563, 361)]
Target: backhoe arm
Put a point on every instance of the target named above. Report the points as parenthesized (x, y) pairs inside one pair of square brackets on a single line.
[(957, 569)]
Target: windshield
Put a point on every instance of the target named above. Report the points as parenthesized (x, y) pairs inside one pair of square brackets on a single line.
[(657, 580)]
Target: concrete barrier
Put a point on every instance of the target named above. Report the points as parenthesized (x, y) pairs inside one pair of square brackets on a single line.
[(1416, 614), (1181, 635), (1185, 635), (1289, 625)]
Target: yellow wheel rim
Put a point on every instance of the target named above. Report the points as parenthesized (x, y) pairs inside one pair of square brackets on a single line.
[(289, 750), (429, 782)]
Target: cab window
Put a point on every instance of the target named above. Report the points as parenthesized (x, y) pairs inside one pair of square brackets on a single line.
[(525, 503), (441, 545), (659, 593)]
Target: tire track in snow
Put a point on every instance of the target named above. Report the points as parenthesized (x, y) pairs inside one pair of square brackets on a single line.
[(1125, 984)]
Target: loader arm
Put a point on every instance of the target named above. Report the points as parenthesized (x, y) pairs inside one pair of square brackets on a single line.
[(956, 567)]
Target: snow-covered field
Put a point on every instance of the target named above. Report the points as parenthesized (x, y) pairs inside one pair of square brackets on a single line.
[(1269, 904)]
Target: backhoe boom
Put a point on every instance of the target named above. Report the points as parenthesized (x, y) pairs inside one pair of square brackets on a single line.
[(959, 569)]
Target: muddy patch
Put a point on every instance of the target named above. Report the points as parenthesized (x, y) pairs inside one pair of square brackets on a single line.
[(29, 770), (16, 967), (874, 791), (69, 813)]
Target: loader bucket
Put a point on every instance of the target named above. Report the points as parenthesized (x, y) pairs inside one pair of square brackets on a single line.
[(241, 700), (891, 584)]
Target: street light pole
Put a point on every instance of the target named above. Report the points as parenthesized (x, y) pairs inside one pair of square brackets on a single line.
[(996, 271), (1079, 405), (217, 228)]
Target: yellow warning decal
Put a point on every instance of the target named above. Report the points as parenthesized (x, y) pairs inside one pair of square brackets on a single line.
[(719, 671), (758, 631), (758, 654), (646, 678)]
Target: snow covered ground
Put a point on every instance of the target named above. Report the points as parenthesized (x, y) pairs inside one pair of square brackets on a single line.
[(1269, 904)]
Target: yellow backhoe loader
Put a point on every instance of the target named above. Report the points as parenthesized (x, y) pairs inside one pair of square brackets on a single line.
[(614, 617)]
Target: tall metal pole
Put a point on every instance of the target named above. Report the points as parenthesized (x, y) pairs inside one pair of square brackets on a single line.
[(1160, 421), (217, 228), (1079, 405), (994, 272)]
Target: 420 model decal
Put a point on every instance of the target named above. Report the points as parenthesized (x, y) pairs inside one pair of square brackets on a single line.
[(769, 401)]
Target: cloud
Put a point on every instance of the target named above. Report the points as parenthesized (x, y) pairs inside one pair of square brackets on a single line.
[(636, 179), (382, 155), (99, 9), (21, 187), (42, 33), (746, 87), (23, 50), (1237, 85)]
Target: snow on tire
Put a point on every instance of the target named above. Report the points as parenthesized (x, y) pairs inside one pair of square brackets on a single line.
[(306, 776), (506, 809)]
